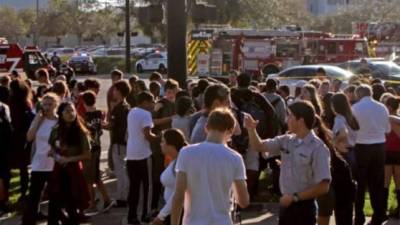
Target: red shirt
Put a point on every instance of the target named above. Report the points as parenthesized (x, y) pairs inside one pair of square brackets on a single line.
[(392, 142)]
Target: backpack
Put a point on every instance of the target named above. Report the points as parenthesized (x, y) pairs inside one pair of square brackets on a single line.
[(282, 127), (260, 109)]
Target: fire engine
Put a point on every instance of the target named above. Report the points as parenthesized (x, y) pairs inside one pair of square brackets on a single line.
[(269, 51), (27, 60), (384, 38)]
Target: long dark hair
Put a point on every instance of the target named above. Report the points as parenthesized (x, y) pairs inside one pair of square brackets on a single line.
[(341, 105), (325, 136), (314, 98), (70, 135), (328, 116), (20, 93), (176, 138)]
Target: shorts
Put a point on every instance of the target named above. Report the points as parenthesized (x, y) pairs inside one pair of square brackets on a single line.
[(91, 168), (392, 158), (326, 204)]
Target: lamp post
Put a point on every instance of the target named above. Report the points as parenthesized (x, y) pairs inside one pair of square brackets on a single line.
[(127, 38), (176, 40)]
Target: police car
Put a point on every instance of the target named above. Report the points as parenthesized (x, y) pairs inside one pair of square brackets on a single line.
[(154, 61)]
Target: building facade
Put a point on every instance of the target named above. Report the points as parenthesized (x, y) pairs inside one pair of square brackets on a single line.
[(324, 7)]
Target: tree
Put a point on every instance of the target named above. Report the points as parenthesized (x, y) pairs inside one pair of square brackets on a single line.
[(358, 11), (11, 26)]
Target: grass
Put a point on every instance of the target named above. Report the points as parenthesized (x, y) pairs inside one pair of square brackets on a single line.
[(392, 201), (264, 182)]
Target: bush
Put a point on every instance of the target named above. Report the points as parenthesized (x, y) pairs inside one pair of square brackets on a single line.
[(106, 64)]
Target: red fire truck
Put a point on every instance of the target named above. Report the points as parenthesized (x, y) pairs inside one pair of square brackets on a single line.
[(28, 60), (272, 50), (384, 37)]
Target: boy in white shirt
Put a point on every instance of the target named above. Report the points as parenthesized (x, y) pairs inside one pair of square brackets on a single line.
[(206, 173), (138, 155)]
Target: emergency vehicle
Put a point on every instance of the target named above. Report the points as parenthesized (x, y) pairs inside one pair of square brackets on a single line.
[(28, 60), (270, 51), (384, 37)]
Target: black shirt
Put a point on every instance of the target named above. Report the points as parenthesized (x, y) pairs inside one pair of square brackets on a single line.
[(119, 123), (93, 123)]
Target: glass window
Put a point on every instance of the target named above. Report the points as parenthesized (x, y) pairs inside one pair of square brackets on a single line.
[(331, 47)]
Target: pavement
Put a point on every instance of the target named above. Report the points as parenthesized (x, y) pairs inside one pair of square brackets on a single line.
[(256, 214)]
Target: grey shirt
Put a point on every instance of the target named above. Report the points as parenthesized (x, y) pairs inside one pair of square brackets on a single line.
[(305, 162), (198, 133)]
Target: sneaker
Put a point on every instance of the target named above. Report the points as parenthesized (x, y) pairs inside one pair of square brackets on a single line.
[(91, 211), (121, 204), (108, 205)]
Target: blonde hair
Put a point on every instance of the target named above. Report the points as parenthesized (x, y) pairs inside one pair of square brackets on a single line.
[(53, 96)]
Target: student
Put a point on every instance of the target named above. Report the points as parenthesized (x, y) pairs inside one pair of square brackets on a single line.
[(138, 157), (345, 127), (206, 173), (305, 170), (184, 109), (171, 143), (42, 165), (164, 110), (118, 128), (309, 93), (91, 168), (392, 162), (69, 141), (5, 137)]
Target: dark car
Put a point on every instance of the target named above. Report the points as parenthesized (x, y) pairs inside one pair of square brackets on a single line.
[(386, 70), (82, 64)]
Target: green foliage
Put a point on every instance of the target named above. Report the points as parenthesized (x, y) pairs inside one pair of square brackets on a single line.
[(106, 64)]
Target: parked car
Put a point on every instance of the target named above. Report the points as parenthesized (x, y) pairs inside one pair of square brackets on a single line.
[(82, 64), (155, 61), (386, 70), (108, 52), (60, 51), (291, 76)]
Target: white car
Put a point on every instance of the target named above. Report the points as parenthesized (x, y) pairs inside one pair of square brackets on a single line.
[(154, 61), (291, 76)]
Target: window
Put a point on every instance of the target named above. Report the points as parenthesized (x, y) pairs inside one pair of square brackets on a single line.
[(33, 59), (331, 48)]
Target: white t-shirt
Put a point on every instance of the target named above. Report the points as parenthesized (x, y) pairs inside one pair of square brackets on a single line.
[(168, 179), (40, 160), (210, 169), (138, 147)]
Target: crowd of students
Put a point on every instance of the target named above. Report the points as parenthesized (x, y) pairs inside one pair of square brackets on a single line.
[(195, 151)]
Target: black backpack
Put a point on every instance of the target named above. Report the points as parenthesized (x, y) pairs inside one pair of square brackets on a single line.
[(260, 109)]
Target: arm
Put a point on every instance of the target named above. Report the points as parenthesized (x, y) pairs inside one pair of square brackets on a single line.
[(162, 121), (30, 136), (178, 198), (149, 135), (254, 140), (241, 193)]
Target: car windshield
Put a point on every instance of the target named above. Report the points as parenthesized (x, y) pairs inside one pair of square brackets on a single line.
[(389, 68)]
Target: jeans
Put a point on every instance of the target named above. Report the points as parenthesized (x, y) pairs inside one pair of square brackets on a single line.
[(118, 156)]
